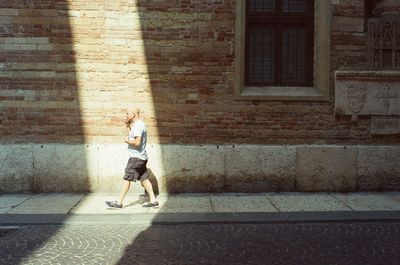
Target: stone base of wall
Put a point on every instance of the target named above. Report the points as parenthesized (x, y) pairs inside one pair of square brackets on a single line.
[(201, 168)]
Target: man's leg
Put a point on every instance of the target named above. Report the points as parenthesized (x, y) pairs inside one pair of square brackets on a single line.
[(149, 188), (124, 191)]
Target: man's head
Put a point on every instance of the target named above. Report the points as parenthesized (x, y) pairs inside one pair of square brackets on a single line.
[(132, 114)]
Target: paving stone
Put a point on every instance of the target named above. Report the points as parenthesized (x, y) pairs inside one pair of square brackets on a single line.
[(95, 204), (9, 201), (185, 204), (241, 203), (371, 201), (274, 244), (5, 210), (198, 203), (296, 202), (60, 203)]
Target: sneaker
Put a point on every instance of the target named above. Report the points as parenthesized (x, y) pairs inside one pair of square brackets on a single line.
[(113, 204), (151, 205)]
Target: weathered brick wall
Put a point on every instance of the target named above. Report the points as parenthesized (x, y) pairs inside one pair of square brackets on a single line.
[(39, 90), (69, 68), (349, 38)]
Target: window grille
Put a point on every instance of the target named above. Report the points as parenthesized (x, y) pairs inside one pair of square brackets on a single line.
[(279, 42)]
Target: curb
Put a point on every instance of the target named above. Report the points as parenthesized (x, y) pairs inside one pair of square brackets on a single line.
[(198, 218)]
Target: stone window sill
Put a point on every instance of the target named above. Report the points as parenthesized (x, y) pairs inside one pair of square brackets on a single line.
[(281, 93)]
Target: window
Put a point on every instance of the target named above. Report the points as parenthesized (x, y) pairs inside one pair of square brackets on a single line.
[(282, 49), (279, 42)]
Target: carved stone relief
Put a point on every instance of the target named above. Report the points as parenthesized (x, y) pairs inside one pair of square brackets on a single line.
[(356, 98), (385, 125), (367, 97), (370, 93), (384, 35), (384, 43)]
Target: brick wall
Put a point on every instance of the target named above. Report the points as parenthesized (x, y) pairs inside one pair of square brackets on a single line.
[(69, 68)]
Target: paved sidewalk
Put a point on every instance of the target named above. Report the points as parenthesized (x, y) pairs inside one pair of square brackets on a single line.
[(66, 208)]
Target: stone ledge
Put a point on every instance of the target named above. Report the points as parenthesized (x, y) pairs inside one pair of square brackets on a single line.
[(201, 168), (383, 75)]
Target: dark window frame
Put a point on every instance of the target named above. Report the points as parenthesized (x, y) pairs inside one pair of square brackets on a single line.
[(278, 20)]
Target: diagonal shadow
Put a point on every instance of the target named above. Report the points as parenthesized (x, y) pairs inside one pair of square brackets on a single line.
[(39, 93), (40, 120)]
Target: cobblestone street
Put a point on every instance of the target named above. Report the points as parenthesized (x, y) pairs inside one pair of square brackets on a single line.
[(295, 243)]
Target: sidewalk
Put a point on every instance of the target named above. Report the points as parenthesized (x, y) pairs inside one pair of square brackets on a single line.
[(66, 208)]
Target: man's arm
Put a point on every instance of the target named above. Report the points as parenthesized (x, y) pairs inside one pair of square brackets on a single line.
[(135, 142)]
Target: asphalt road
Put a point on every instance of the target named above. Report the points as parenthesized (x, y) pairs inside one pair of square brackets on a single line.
[(275, 243)]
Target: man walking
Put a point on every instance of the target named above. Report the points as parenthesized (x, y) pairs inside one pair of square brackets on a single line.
[(136, 167)]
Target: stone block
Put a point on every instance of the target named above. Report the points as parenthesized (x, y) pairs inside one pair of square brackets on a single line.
[(186, 204), (9, 47), (61, 167), (16, 167), (8, 12), (13, 40), (44, 47), (348, 24), (382, 125), (92, 157), (48, 204), (326, 168), (38, 40), (260, 168), (10, 201), (122, 20), (378, 168), (187, 168), (367, 93), (112, 159), (27, 47), (94, 203)]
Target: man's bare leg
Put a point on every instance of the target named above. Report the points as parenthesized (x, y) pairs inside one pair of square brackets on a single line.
[(149, 188), (124, 191)]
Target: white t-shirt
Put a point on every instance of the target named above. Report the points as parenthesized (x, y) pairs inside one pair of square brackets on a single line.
[(138, 129)]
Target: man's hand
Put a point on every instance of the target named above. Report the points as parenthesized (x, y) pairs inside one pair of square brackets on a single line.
[(128, 123)]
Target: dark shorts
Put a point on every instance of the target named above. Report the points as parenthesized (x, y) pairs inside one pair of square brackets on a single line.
[(136, 169)]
